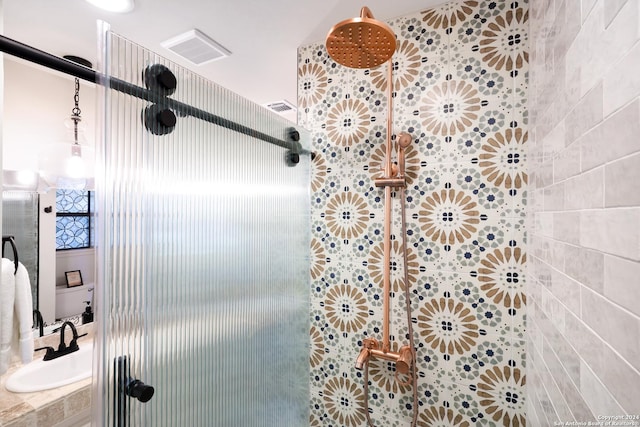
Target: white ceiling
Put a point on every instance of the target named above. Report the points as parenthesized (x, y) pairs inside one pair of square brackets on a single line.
[(263, 35)]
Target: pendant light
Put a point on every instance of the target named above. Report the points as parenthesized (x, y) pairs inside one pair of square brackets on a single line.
[(75, 167), (69, 164)]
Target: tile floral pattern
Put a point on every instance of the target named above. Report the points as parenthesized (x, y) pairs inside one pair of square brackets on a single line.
[(459, 89)]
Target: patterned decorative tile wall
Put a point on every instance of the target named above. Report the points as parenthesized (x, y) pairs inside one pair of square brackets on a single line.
[(459, 83), (584, 157)]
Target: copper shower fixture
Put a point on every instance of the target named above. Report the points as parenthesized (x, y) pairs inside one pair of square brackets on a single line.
[(366, 43), (362, 42)]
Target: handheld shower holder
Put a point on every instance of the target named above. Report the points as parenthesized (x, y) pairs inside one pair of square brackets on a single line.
[(395, 176)]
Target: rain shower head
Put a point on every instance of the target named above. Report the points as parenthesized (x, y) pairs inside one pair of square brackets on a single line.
[(362, 42)]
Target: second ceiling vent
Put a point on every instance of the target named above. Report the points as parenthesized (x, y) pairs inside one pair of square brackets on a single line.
[(283, 106), (196, 47)]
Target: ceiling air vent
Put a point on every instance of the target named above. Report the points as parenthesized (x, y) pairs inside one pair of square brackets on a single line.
[(196, 47), (281, 106)]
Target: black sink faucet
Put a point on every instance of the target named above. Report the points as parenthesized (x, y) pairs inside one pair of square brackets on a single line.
[(63, 349), (38, 321), (73, 345)]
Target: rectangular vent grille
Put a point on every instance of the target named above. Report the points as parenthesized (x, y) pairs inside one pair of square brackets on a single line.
[(196, 47), (280, 106)]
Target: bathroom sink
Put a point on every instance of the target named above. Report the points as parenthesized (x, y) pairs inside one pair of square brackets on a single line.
[(40, 375)]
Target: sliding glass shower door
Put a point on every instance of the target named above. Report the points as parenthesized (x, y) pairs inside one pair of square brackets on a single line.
[(202, 253)]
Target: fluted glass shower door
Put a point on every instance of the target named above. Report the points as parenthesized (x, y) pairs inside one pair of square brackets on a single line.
[(203, 212)]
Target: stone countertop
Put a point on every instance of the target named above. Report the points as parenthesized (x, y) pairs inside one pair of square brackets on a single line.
[(47, 407)]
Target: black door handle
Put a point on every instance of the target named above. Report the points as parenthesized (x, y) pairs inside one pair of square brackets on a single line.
[(139, 390), (126, 386)]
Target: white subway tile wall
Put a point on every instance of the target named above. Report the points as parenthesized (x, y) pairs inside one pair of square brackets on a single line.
[(583, 288)]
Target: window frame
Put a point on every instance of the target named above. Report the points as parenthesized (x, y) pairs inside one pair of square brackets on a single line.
[(88, 214)]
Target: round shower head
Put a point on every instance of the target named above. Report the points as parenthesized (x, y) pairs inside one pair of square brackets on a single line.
[(362, 42)]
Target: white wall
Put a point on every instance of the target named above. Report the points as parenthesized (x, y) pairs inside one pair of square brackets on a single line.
[(80, 259), (37, 102)]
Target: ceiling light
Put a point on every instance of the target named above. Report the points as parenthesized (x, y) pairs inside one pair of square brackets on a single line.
[(119, 6)]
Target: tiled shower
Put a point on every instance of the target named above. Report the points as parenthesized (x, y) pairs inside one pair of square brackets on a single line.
[(523, 219), (524, 226), (461, 94)]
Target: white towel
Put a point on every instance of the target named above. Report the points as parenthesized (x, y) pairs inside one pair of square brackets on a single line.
[(24, 313), (7, 298)]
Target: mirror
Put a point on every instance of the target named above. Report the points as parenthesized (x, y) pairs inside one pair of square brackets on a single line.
[(20, 232), (37, 102)]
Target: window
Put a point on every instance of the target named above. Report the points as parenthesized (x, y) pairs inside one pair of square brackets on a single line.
[(73, 219)]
